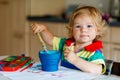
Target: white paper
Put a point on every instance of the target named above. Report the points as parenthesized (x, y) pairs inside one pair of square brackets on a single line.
[(2, 77), (62, 74)]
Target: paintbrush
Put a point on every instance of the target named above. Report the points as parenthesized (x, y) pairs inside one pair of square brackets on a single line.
[(42, 42)]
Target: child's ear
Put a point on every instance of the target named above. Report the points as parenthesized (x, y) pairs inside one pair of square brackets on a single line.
[(98, 32)]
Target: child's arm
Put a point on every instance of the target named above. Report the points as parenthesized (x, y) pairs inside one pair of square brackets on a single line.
[(83, 65), (88, 66), (45, 33)]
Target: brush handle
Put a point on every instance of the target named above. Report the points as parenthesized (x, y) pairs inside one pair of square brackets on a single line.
[(41, 41)]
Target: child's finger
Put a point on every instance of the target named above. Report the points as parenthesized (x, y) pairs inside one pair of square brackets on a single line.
[(34, 27), (65, 54)]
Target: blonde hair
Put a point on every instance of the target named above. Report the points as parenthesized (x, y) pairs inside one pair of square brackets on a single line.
[(94, 13)]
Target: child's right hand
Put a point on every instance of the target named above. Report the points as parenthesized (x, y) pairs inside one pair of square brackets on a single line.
[(38, 27)]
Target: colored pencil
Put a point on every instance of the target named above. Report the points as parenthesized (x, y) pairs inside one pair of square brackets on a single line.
[(26, 67)]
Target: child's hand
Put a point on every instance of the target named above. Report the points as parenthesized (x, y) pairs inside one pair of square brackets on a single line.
[(38, 27), (69, 55)]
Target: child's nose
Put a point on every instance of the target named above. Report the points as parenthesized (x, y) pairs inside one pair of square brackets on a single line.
[(83, 29)]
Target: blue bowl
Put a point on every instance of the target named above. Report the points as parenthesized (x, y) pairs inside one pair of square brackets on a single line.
[(49, 60)]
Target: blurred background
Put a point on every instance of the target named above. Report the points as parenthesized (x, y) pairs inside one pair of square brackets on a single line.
[(16, 36)]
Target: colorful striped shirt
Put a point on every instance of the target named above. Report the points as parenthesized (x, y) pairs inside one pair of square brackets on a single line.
[(94, 56)]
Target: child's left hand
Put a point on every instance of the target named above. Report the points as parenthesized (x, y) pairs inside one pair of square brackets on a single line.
[(69, 55)]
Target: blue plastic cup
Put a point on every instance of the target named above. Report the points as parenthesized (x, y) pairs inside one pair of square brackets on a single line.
[(49, 60)]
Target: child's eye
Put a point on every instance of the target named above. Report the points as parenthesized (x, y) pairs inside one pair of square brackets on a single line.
[(89, 26), (78, 26)]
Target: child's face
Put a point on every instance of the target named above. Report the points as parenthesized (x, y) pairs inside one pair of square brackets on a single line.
[(84, 30)]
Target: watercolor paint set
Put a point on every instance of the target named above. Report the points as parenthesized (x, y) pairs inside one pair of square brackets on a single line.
[(13, 63)]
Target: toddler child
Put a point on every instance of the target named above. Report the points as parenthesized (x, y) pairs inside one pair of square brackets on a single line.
[(82, 50)]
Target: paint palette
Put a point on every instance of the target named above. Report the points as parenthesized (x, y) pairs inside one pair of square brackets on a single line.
[(13, 63)]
